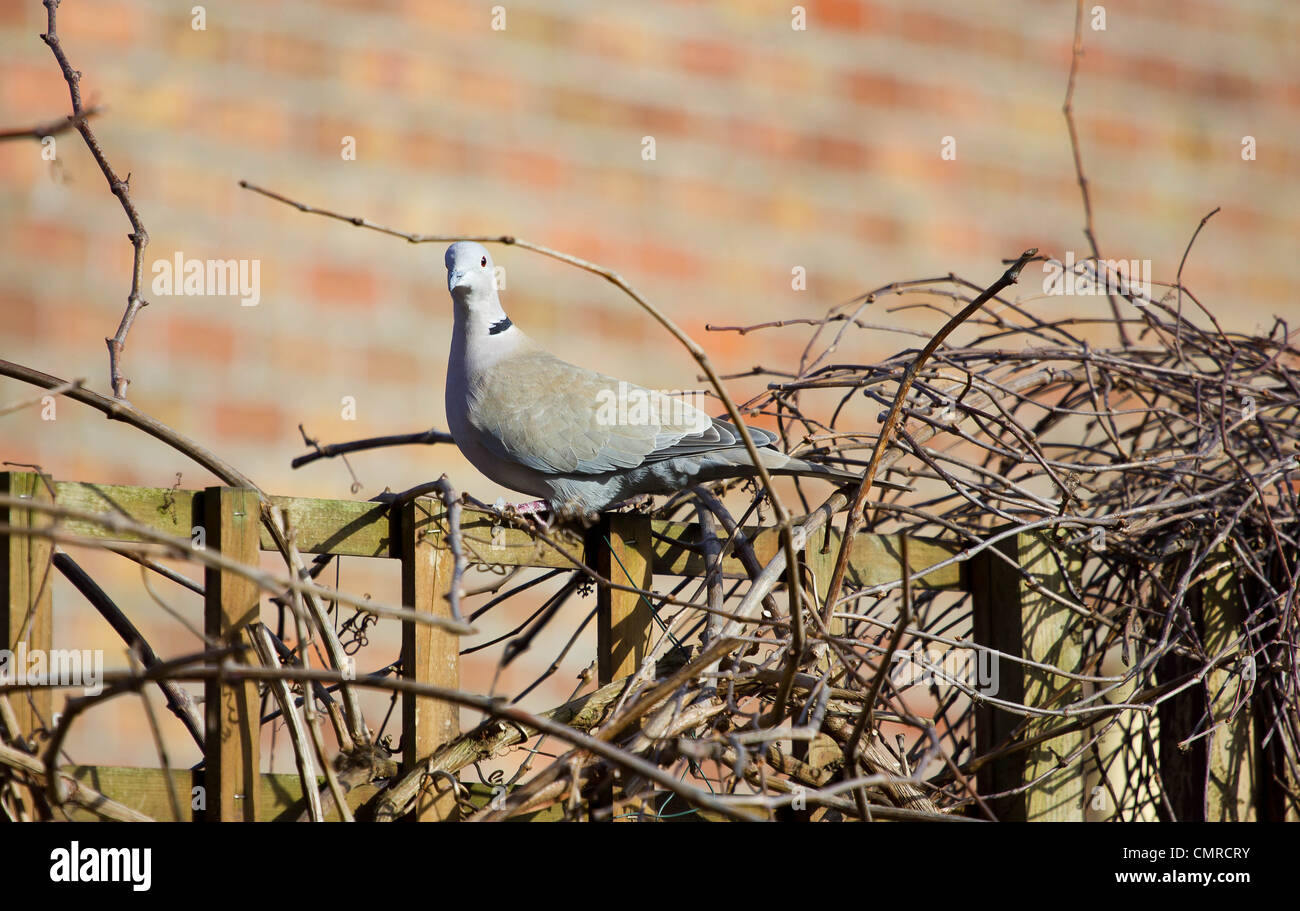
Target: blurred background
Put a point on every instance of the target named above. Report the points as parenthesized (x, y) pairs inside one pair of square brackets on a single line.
[(880, 141)]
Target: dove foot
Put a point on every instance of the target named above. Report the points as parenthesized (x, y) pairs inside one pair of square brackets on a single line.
[(641, 501), (530, 509), (538, 512)]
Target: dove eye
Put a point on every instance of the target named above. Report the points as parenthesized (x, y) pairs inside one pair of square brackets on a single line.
[(483, 262)]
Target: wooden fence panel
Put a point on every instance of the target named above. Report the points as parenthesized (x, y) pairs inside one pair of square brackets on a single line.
[(1012, 613)]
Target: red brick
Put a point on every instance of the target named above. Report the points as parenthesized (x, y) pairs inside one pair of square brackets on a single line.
[(383, 68), (709, 58), (705, 198), (614, 44), (1161, 73), (836, 152), (851, 15), (258, 421), (486, 90), (294, 55), (578, 240), (533, 169), (104, 24), (586, 107), (766, 138), (878, 228), (1175, 75), (657, 119), (53, 241), (33, 91), (13, 14), (22, 318), (938, 30), (342, 285), (1114, 131), (389, 365), (434, 151), (328, 131), (785, 71), (664, 261), (873, 87), (264, 122), (1231, 86), (200, 338), (955, 238)]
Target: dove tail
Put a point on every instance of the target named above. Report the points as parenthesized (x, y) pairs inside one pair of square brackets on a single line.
[(800, 468), (813, 470)]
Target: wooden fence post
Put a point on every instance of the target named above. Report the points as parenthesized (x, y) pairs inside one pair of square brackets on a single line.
[(429, 655), (232, 776), (1010, 616), (620, 548), (1209, 765), (1124, 784), (26, 611), (624, 554), (820, 555), (1233, 764)]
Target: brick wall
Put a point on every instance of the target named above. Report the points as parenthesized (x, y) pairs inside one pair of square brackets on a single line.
[(774, 148)]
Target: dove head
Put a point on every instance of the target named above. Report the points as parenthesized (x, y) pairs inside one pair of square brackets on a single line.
[(469, 272), (471, 280)]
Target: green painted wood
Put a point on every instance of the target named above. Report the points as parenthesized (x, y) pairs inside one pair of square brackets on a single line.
[(344, 527), (349, 528), (145, 789), (280, 795), (169, 511), (429, 655), (489, 542), (362, 528), (26, 604), (1231, 754), (621, 550), (875, 559), (1010, 615), (359, 528), (231, 602)]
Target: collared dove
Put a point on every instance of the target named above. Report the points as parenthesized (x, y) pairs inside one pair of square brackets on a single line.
[(539, 425)]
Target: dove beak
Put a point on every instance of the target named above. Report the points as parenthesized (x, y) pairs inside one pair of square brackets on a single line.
[(456, 280)]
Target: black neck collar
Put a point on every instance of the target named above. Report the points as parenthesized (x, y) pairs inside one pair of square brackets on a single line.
[(500, 326)]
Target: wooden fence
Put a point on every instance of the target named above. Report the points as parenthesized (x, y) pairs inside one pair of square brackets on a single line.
[(1013, 612)]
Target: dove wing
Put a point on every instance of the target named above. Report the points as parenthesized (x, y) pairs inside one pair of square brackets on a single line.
[(553, 416)]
